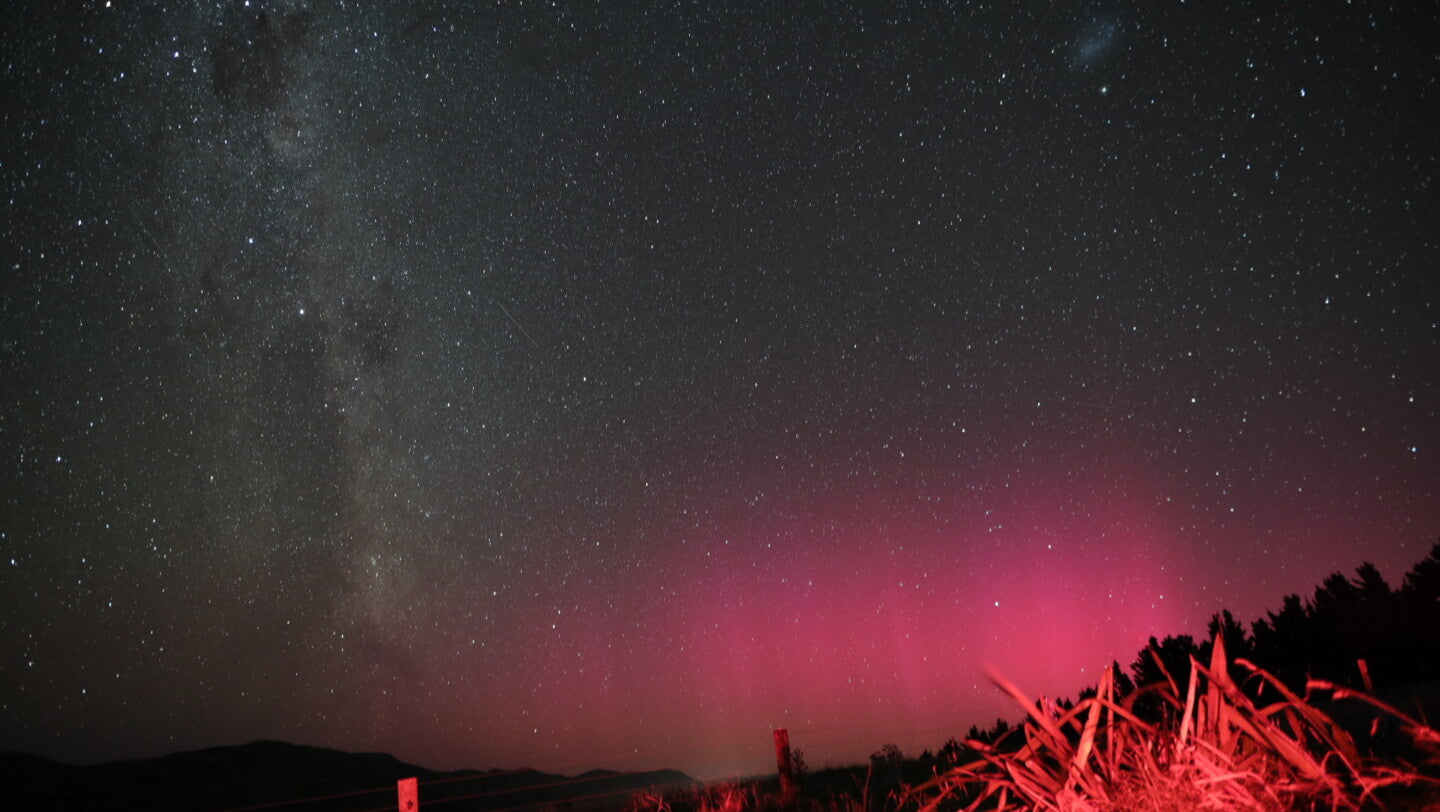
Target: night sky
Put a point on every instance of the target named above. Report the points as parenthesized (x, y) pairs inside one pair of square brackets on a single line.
[(579, 385)]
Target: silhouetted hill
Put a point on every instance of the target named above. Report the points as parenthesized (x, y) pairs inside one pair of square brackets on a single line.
[(310, 779)]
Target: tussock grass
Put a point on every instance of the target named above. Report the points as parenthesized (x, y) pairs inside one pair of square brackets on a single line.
[(1235, 738), (1215, 748)]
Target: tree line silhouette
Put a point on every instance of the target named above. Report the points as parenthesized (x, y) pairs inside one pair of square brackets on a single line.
[(1356, 632)]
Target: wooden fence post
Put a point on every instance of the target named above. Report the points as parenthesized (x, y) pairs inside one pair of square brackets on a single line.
[(783, 763), (409, 791)]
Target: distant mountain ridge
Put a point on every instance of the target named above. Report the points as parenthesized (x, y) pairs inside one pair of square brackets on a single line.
[(278, 775)]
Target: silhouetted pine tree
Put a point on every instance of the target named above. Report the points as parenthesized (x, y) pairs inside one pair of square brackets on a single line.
[(990, 735), (1282, 643), (1379, 627), (1173, 664), (1336, 614), (954, 753), (1423, 579), (1418, 634)]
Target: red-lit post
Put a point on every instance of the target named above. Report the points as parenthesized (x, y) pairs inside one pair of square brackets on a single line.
[(783, 764), (409, 791)]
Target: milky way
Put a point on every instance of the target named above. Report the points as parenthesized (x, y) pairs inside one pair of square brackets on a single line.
[(564, 386)]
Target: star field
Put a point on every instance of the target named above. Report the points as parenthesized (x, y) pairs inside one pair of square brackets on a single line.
[(573, 385)]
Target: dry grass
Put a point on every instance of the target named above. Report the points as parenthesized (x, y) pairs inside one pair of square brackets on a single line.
[(1215, 748), (1221, 746)]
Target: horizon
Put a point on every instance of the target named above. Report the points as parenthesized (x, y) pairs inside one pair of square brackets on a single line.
[(576, 769), (608, 387)]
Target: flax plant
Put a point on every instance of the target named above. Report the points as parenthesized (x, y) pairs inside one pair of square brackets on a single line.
[(1215, 748)]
